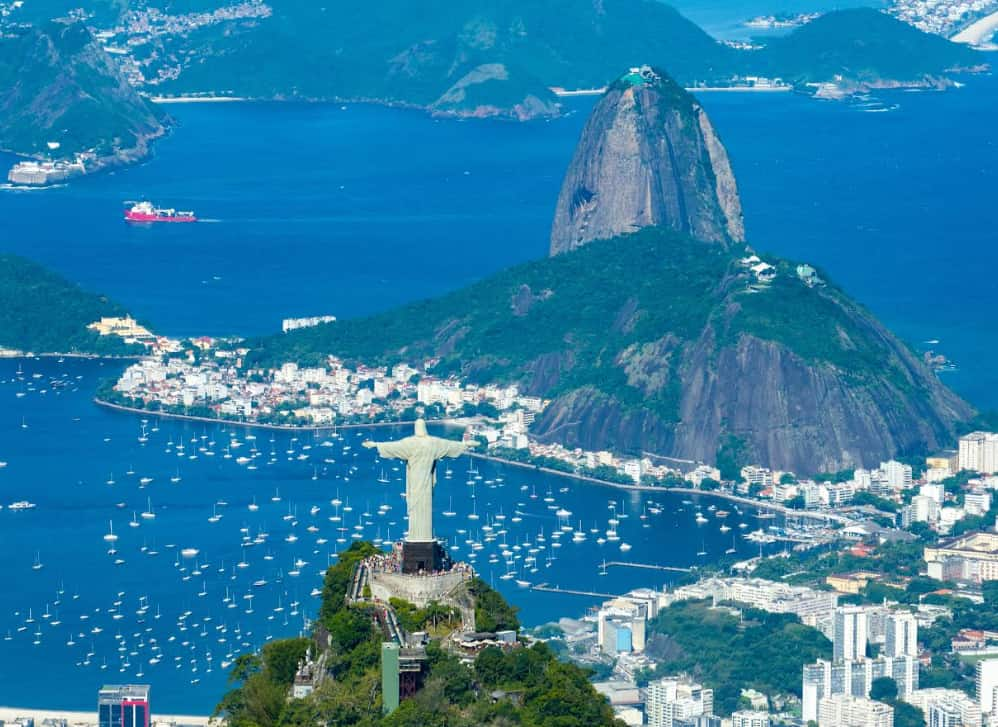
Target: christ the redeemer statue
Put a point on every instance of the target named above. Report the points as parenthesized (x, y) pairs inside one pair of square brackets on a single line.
[(421, 453)]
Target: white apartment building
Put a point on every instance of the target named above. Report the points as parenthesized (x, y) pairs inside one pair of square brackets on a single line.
[(854, 678), (936, 491), (979, 452), (674, 698), (977, 502), (749, 718), (849, 633), (845, 711), (901, 634), (987, 684), (897, 475), (760, 476), (806, 603), (954, 708)]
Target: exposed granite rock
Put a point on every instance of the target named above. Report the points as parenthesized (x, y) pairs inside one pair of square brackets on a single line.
[(790, 413), (661, 340), (647, 156)]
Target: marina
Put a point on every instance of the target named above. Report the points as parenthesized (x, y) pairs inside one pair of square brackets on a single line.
[(159, 550)]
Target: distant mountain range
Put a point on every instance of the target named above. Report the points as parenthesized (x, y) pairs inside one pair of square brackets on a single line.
[(473, 58), (647, 338), (487, 57)]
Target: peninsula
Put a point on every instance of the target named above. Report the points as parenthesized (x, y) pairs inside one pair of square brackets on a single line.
[(76, 108), (42, 312)]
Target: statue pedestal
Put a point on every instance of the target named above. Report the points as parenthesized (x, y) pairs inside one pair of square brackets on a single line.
[(424, 557)]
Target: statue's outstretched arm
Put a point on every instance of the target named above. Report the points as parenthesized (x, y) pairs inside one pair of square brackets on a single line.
[(391, 450), (451, 448)]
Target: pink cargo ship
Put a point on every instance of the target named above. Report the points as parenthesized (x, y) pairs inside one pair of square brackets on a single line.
[(145, 212)]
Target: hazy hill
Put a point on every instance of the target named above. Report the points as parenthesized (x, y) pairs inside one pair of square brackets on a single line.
[(58, 85), (864, 45)]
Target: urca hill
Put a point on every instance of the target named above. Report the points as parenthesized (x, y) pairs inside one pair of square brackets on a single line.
[(654, 327)]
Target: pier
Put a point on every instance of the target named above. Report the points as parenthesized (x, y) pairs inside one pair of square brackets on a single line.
[(545, 588), (648, 566)]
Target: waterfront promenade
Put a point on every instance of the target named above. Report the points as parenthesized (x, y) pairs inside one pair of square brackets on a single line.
[(8, 714), (760, 504), (263, 425)]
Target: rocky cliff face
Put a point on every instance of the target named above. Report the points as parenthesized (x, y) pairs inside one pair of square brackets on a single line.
[(58, 86), (790, 413), (648, 156), (665, 339)]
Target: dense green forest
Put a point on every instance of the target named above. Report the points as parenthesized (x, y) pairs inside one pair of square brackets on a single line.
[(42, 312), (761, 650), (591, 307), (542, 691), (863, 45)]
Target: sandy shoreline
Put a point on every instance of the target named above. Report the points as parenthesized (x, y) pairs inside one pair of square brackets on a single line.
[(979, 32), (196, 99)]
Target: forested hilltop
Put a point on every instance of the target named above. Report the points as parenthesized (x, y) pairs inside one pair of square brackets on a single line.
[(657, 342), (535, 688), (43, 312)]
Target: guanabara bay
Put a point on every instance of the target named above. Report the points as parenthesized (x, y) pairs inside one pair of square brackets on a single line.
[(653, 326), (520, 363)]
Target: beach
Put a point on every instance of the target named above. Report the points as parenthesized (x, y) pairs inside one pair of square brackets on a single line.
[(979, 33)]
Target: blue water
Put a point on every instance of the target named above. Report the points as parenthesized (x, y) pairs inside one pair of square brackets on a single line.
[(724, 19), (314, 209), (348, 210), (322, 209), (895, 206), (62, 451)]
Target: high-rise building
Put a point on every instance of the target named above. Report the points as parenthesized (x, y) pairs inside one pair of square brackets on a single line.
[(946, 707), (749, 718), (125, 705), (672, 700), (979, 452), (897, 474), (901, 638), (849, 635), (987, 683), (846, 711), (854, 678)]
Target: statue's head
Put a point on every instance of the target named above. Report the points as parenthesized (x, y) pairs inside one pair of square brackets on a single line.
[(421, 428)]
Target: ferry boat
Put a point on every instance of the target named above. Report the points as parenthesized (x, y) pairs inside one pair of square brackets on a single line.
[(145, 212)]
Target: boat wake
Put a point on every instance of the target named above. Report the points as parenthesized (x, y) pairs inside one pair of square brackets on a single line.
[(29, 187)]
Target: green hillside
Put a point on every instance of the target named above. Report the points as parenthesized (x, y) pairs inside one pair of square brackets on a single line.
[(863, 45), (542, 691), (390, 51), (657, 342), (43, 312), (58, 85), (589, 310)]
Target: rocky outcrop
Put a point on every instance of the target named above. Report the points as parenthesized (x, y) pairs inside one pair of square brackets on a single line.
[(787, 412), (647, 156), (60, 94), (649, 333)]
